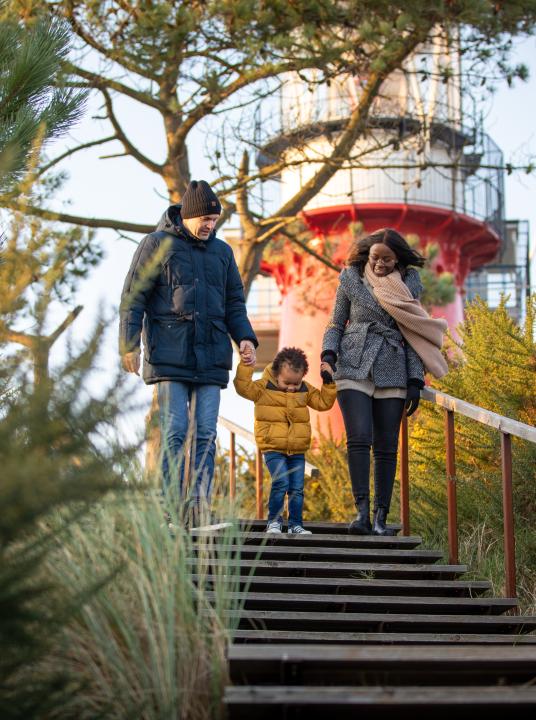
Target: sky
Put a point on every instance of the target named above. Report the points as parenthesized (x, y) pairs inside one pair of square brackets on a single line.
[(119, 187)]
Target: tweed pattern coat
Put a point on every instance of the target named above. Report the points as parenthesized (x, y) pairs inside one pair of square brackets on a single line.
[(282, 418), (366, 339)]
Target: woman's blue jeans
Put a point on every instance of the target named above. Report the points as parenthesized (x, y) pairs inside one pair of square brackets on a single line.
[(174, 399), (287, 473)]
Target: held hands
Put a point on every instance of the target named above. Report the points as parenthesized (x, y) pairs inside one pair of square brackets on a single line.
[(247, 352), (412, 399), (131, 362), (326, 372)]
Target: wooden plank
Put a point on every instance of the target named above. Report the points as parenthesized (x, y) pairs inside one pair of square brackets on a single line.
[(379, 622), (315, 527), (463, 654), (323, 540), (331, 569), (338, 554), (354, 586), (356, 665), (275, 701), (379, 638), (486, 417), (365, 603)]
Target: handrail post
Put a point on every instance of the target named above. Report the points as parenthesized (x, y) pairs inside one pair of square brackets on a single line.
[(258, 483), (232, 466), (508, 516), (452, 506), (404, 475)]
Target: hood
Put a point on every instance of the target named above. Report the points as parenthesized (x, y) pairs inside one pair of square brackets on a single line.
[(171, 222), (268, 374)]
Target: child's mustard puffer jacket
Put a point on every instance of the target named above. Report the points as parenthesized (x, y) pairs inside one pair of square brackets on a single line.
[(282, 418)]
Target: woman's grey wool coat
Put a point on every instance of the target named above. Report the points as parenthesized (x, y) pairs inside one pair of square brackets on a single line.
[(366, 339)]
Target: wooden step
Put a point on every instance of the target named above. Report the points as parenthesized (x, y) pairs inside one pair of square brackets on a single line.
[(324, 540), (319, 665), (380, 638), (379, 622), (336, 554), (365, 603), (283, 701), (353, 586), (314, 527), (332, 569)]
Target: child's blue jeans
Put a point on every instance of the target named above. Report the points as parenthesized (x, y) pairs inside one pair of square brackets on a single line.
[(287, 472)]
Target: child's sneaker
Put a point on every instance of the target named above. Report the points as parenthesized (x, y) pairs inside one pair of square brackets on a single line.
[(298, 530), (274, 527)]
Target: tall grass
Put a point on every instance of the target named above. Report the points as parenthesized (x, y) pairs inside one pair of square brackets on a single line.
[(150, 644)]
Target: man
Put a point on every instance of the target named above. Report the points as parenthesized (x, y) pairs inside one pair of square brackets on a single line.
[(184, 296)]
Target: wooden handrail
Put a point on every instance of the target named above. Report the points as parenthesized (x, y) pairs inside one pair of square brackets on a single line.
[(507, 427), (237, 430)]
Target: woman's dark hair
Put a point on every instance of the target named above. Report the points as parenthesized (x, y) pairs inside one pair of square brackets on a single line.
[(405, 254), (294, 357)]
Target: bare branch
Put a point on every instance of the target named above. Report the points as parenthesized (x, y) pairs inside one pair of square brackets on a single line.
[(108, 53), (122, 137), (242, 206), (94, 80), (322, 258), (12, 336), (124, 225), (62, 327), (72, 151)]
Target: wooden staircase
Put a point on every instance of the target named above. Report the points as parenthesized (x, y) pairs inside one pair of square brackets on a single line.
[(336, 623)]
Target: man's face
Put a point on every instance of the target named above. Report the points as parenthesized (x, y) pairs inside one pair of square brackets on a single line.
[(201, 227)]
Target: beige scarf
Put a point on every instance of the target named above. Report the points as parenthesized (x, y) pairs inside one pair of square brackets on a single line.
[(423, 333)]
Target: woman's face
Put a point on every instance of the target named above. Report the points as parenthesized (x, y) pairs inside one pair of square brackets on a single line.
[(381, 259)]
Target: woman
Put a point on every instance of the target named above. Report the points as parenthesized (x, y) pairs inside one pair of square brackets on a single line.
[(382, 340)]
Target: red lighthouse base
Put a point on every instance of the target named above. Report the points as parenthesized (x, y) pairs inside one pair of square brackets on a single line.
[(308, 287)]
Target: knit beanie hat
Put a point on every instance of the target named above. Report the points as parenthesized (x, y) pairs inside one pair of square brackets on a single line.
[(198, 200)]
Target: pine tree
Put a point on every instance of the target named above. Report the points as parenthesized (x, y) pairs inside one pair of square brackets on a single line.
[(33, 107)]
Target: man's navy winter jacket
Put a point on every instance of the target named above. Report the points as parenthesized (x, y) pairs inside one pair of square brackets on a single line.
[(184, 297)]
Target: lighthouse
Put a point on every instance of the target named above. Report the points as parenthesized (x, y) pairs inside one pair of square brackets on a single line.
[(420, 168)]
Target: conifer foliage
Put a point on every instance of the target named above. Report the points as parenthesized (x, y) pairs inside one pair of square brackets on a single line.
[(33, 105)]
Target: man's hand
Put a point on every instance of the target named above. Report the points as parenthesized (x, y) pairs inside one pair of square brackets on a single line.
[(326, 372), (131, 362), (247, 352)]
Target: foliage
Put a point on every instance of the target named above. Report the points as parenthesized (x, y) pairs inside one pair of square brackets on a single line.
[(218, 67), (33, 104), (56, 450), (150, 644)]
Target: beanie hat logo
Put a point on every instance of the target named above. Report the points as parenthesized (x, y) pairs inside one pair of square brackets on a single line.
[(199, 199)]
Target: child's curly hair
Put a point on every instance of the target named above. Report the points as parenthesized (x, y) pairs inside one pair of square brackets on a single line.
[(294, 357)]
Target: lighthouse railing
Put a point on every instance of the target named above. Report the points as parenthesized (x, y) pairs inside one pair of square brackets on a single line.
[(507, 428)]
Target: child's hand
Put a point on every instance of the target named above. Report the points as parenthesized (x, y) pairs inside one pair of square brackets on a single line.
[(247, 352), (326, 372)]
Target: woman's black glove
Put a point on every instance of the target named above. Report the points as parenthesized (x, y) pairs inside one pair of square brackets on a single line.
[(330, 358), (413, 395)]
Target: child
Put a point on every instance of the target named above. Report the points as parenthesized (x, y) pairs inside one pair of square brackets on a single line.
[(282, 428)]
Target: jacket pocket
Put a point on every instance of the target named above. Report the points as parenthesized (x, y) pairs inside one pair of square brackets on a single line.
[(221, 348), (352, 345), (171, 343)]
